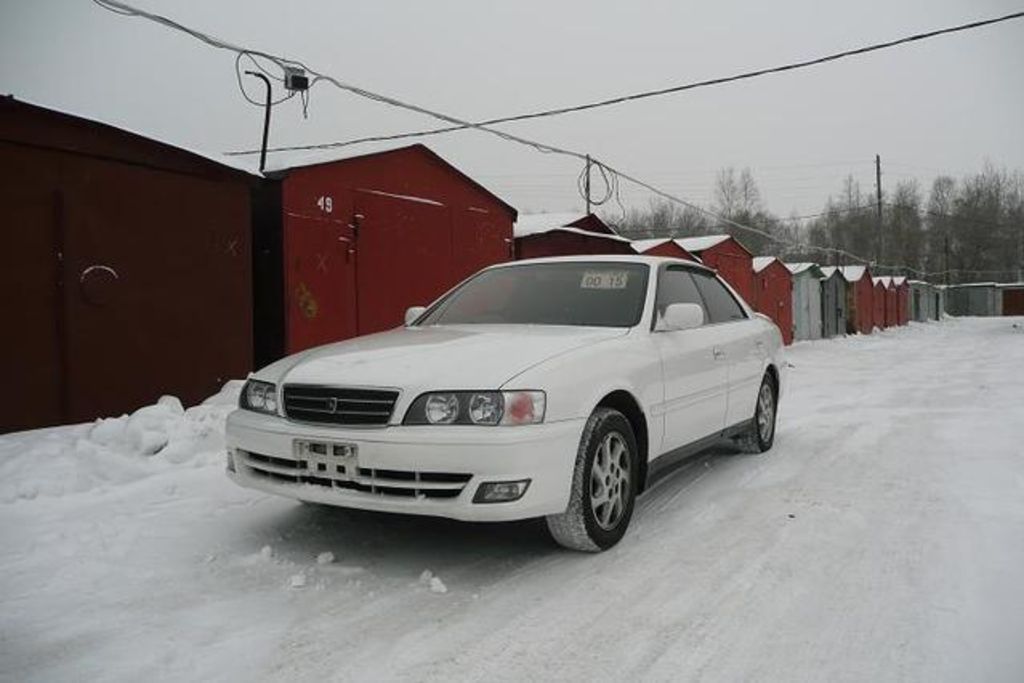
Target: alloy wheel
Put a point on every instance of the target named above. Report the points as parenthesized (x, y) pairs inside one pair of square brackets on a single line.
[(610, 481)]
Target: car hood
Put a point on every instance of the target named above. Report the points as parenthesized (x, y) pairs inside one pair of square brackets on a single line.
[(436, 357)]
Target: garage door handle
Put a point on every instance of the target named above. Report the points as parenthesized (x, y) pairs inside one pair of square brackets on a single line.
[(719, 353)]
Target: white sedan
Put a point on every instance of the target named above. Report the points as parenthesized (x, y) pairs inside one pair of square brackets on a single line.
[(556, 388)]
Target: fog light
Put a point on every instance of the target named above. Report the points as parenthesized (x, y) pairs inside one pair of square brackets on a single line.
[(501, 491)]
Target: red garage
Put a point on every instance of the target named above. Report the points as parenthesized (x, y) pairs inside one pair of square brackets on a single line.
[(860, 299), (880, 296), (127, 273), (363, 239), (663, 247), (726, 255), (892, 301), (902, 300), (566, 234), (773, 293)]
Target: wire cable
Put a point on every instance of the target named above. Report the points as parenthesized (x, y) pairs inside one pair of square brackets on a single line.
[(558, 111), (127, 10)]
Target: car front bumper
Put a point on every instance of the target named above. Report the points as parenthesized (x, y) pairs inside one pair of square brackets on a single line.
[(422, 470)]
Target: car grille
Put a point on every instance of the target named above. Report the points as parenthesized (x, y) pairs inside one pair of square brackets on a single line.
[(381, 482), (330, 405)]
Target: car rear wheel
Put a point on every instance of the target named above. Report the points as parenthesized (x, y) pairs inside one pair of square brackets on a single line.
[(760, 436), (603, 487)]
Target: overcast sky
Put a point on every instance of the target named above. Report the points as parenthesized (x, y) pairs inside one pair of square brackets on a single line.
[(944, 105)]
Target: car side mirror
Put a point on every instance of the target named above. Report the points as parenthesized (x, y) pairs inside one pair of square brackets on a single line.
[(412, 313), (679, 317)]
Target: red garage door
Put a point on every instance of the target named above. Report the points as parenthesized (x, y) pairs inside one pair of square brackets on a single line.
[(404, 257), (319, 280)]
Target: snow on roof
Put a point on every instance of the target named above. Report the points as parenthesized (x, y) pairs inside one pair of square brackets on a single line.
[(762, 262), (883, 280), (899, 280), (797, 268), (828, 271), (640, 246), (853, 273), (696, 244), (540, 223), (535, 223)]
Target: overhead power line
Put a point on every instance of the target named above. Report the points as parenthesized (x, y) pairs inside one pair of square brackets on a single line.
[(127, 10), (558, 111)]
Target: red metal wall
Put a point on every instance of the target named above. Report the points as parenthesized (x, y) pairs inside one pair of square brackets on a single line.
[(561, 243), (861, 302), (1013, 301), (878, 305), (773, 288), (129, 270), (367, 237), (892, 317), (734, 264)]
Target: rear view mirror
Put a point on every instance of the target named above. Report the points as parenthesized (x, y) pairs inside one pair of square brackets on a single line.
[(680, 317), (412, 313)]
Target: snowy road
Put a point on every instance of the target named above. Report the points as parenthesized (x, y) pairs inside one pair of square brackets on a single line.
[(882, 539)]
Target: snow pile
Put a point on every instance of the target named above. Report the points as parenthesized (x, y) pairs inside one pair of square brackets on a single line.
[(434, 583), (63, 460)]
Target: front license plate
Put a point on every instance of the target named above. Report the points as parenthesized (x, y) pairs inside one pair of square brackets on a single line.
[(328, 459)]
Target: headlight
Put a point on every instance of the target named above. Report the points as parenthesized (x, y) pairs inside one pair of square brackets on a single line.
[(259, 396), (477, 408), (441, 409)]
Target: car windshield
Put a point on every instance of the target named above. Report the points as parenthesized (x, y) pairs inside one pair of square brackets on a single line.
[(597, 294)]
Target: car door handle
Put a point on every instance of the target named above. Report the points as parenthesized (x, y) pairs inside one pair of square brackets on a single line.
[(719, 353)]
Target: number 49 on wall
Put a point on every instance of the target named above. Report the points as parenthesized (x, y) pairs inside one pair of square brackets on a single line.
[(325, 203)]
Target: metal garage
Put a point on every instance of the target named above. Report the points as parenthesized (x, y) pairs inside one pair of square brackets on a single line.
[(666, 246), (977, 298), (860, 297), (566, 234), (728, 256), (128, 273), (1013, 298), (345, 246), (880, 293), (773, 293), (834, 302), (807, 306)]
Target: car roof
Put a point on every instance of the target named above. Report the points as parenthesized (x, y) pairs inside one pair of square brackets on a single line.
[(653, 261)]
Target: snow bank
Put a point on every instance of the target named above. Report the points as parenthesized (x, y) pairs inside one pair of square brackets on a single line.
[(118, 450)]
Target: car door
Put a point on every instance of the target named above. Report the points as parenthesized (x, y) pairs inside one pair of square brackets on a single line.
[(739, 341), (695, 377)]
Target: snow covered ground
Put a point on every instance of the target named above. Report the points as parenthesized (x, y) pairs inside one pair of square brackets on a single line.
[(882, 539)]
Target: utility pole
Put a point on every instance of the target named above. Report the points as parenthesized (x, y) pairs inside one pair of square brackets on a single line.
[(586, 185), (945, 247), (1020, 253), (878, 195), (266, 117)]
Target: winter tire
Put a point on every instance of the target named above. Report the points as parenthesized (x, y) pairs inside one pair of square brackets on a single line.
[(604, 485), (760, 436)]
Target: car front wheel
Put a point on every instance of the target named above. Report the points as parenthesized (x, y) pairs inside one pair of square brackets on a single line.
[(603, 487)]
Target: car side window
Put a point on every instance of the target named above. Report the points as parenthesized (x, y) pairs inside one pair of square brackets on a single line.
[(722, 306), (676, 286)]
